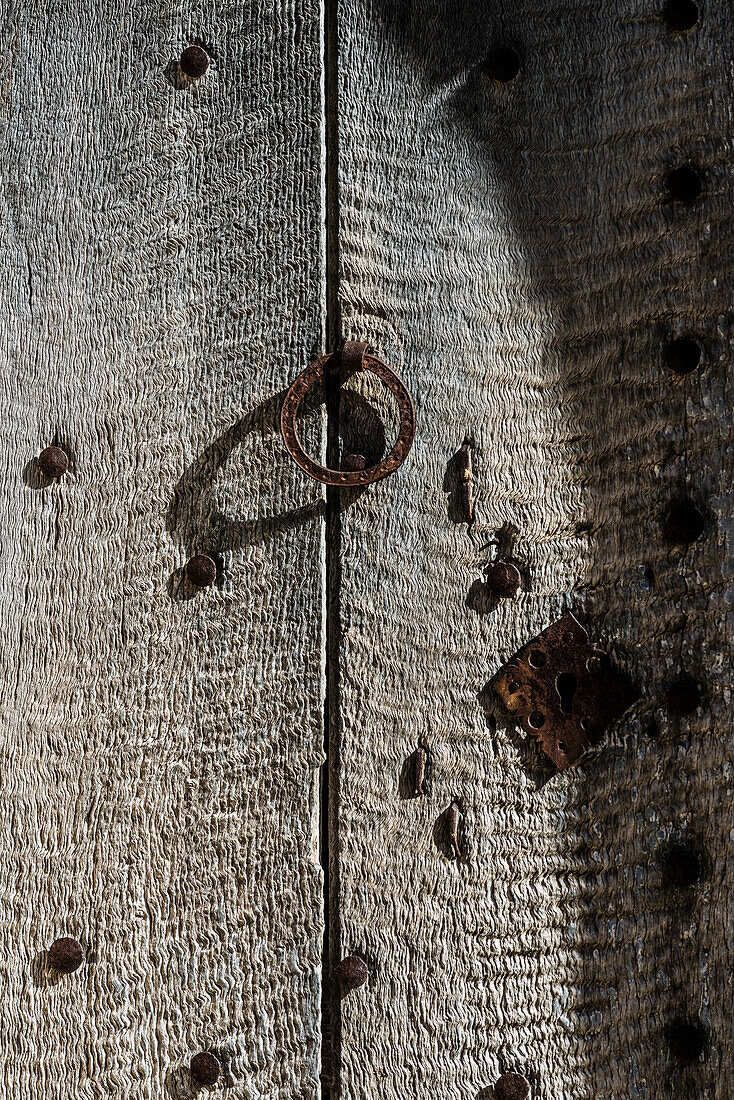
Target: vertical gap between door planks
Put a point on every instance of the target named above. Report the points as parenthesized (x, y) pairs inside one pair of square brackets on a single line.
[(330, 1023)]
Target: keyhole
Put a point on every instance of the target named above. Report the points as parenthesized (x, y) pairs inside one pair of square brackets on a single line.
[(566, 688)]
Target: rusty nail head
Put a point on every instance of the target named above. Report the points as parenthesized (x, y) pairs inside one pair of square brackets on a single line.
[(352, 972), (503, 579), (194, 62), (53, 462), (201, 570), (65, 955), (681, 867), (354, 462), (205, 1068), (512, 1086), (684, 696)]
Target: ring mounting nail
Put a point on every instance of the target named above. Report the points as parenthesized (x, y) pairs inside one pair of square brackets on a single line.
[(353, 357)]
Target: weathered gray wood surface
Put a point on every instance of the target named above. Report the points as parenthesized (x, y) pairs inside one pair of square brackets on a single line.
[(161, 279), (510, 251)]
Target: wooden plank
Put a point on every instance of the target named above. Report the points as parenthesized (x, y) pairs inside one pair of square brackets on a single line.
[(162, 279), (510, 250)]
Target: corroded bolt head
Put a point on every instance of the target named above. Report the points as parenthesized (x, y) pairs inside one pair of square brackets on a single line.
[(683, 696), (681, 867), (684, 184), (512, 1086), (53, 462), (65, 955), (684, 522), (503, 579), (205, 1068), (194, 62), (502, 64), (352, 972), (354, 462), (201, 570)]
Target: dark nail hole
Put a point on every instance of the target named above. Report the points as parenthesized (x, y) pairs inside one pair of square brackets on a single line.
[(684, 696), (684, 184), (680, 15), (681, 867), (562, 746), (684, 522), (687, 1041), (566, 688), (569, 637), (536, 720), (653, 730), (502, 64), (513, 687), (536, 658), (683, 355)]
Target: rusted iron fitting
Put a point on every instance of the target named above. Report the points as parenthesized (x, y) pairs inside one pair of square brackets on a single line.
[(453, 818), (354, 356), (563, 690), (466, 486), (419, 772)]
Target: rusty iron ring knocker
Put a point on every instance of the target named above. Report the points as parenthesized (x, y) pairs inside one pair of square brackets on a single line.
[(353, 357)]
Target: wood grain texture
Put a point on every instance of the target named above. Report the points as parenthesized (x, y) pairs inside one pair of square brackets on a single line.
[(162, 279), (510, 251)]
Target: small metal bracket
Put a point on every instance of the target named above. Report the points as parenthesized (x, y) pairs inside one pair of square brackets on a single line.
[(563, 690)]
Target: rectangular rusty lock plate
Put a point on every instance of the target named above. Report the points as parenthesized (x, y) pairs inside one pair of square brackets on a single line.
[(563, 690)]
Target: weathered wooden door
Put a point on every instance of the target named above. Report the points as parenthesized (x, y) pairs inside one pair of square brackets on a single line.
[(162, 274), (209, 780)]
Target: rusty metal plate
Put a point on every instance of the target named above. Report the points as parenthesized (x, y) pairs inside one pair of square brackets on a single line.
[(563, 690), (354, 356)]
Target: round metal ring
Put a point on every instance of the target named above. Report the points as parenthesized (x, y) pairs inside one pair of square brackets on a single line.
[(346, 478)]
